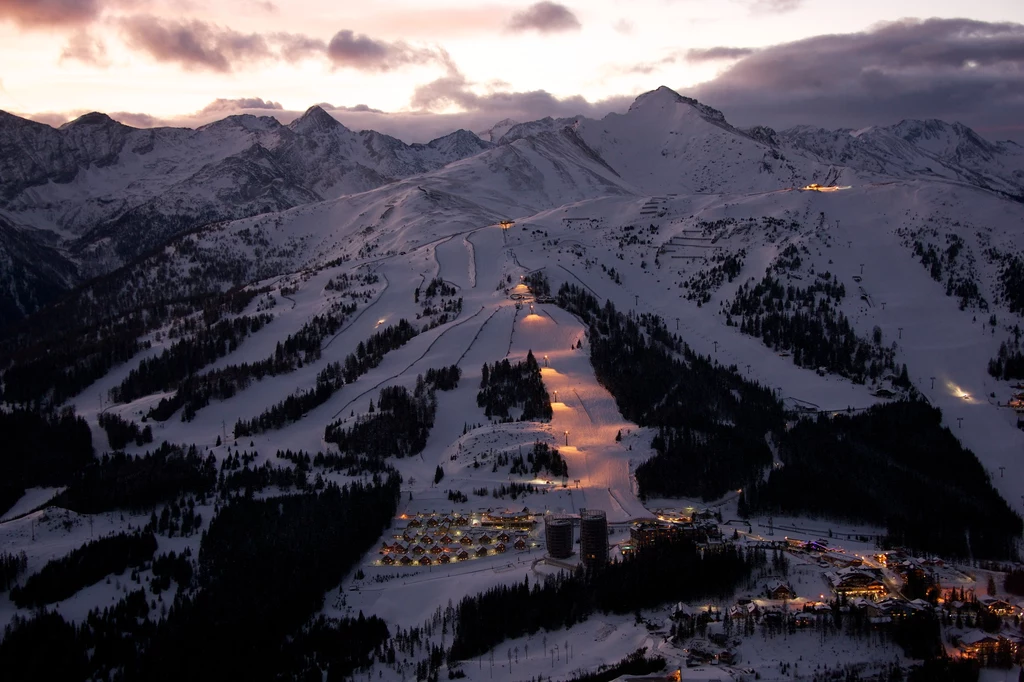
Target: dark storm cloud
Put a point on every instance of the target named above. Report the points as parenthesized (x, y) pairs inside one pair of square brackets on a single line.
[(43, 13), (710, 54), (193, 44), (545, 17), (363, 53), (952, 69)]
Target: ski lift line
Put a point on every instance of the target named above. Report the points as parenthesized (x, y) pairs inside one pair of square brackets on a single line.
[(478, 332), (355, 319), (586, 286), (583, 405), (512, 334), (422, 355)]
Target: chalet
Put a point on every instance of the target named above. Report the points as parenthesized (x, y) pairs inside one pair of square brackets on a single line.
[(415, 523), (436, 549), (446, 521), (997, 606), (401, 549), (520, 544), (462, 556), (777, 589), (432, 522), (388, 560), (418, 549), (384, 548), (500, 547), (444, 559), (485, 539), (743, 612), (805, 618), (405, 560), (460, 521), (466, 540), (427, 540), (424, 561), (504, 537), (446, 539), (985, 648), (482, 552), (851, 582)]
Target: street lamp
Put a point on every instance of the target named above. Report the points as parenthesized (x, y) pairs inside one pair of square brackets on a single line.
[(566, 439), (545, 361)]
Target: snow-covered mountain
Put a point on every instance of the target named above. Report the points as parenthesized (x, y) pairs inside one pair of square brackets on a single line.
[(257, 279), (911, 148)]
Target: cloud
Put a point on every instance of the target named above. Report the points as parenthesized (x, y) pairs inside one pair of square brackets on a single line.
[(45, 13), (545, 17), (709, 54), (137, 120), (193, 44), (483, 110), (85, 48), (623, 26), (774, 6), (222, 105), (952, 69), (363, 53), (295, 47)]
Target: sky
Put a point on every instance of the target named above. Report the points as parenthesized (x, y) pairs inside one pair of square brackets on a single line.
[(418, 69)]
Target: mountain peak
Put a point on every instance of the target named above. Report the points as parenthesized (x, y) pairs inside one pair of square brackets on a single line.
[(664, 97), (93, 118), (315, 120), (661, 97)]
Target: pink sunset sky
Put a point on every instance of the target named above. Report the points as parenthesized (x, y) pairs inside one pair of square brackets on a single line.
[(420, 69)]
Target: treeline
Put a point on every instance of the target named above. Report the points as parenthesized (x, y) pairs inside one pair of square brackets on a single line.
[(399, 424), (121, 481), (541, 458), (248, 611), (40, 449), (537, 283), (504, 386), (647, 579), (963, 288), (55, 354), (196, 390), (85, 566), (808, 323), (11, 566), (711, 422), (636, 663), (703, 283), (1009, 363), (264, 566), (1011, 278), (329, 380), (258, 478), (187, 356), (347, 463), (121, 432), (896, 466)]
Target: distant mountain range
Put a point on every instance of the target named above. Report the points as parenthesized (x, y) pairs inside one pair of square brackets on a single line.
[(86, 198)]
